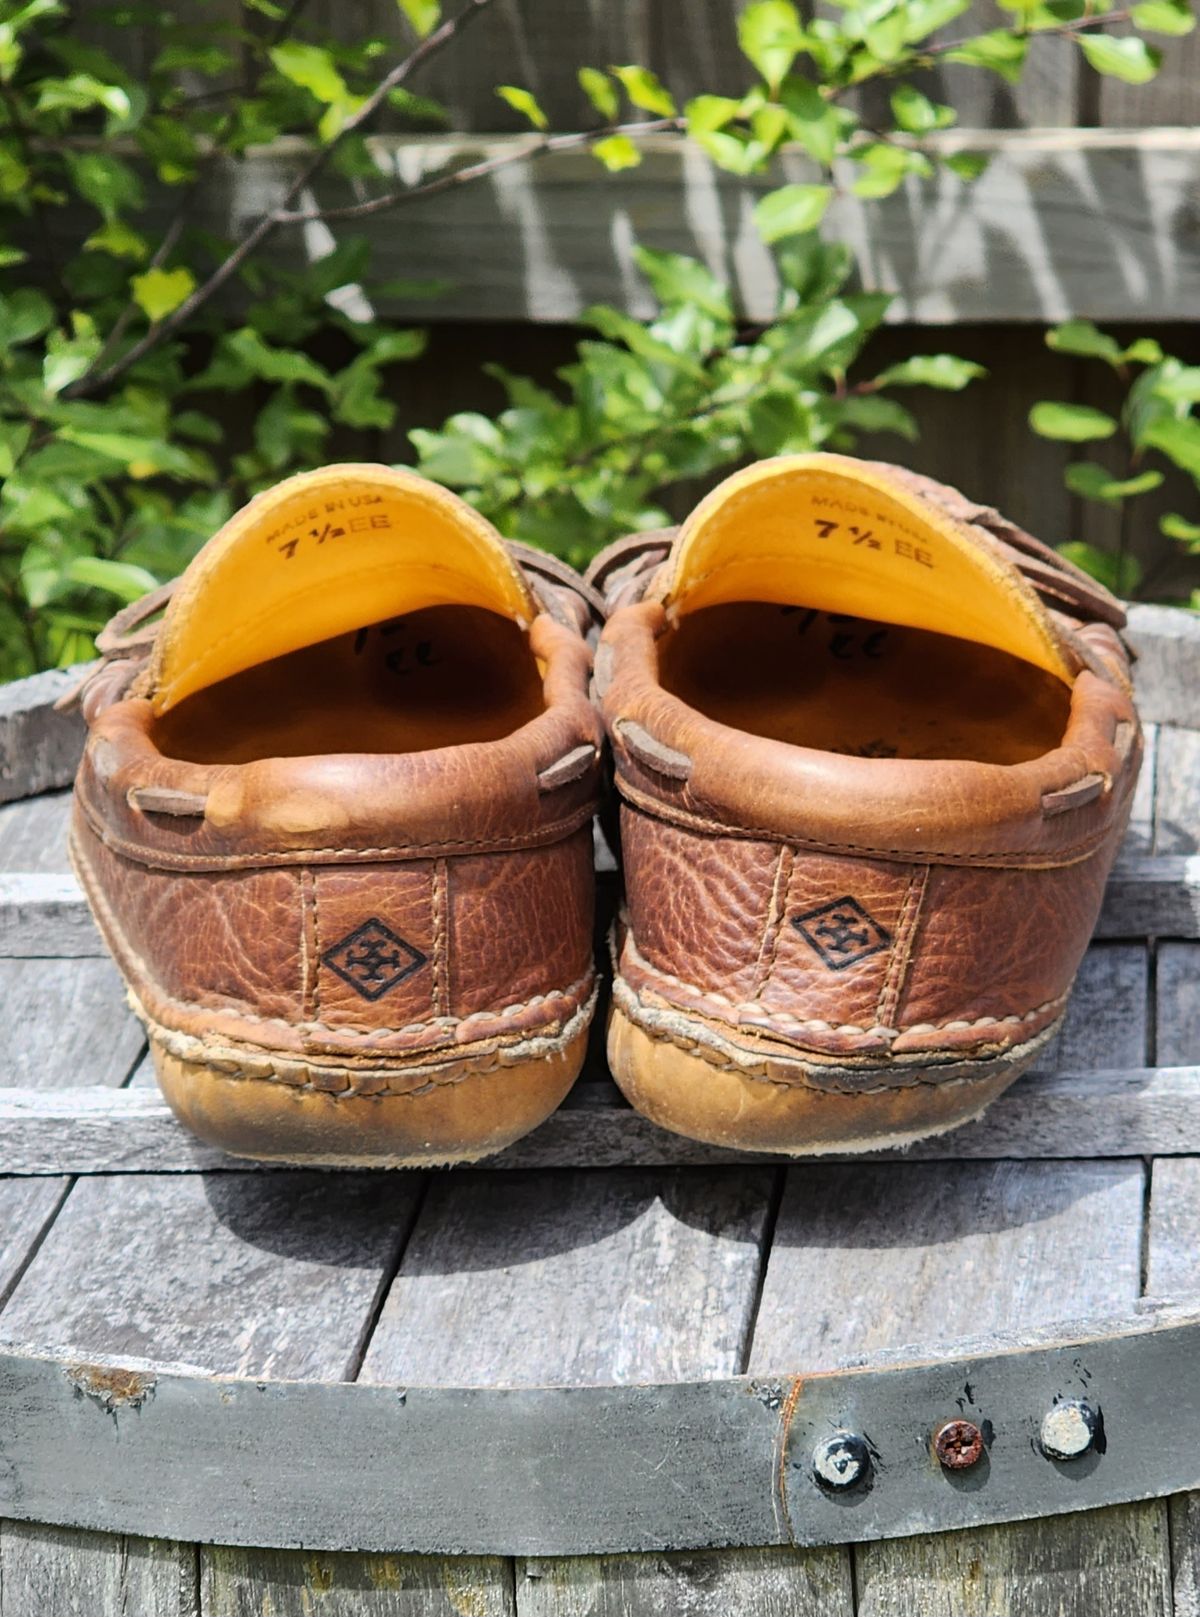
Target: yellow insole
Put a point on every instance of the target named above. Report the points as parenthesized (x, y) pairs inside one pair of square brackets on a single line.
[(439, 677), (857, 686)]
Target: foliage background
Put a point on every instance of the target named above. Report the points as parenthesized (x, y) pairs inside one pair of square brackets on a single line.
[(152, 375)]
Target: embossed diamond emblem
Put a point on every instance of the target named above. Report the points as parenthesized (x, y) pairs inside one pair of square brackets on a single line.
[(373, 960), (841, 933)]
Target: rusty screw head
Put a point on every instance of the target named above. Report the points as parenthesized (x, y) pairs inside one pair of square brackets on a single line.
[(1069, 1430), (841, 1461), (958, 1444)]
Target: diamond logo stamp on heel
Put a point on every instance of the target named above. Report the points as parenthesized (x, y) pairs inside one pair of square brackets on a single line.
[(841, 933), (373, 960)]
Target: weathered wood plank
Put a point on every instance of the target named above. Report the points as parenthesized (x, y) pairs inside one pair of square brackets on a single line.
[(1139, 839), (1086, 221), (1115, 1560), (39, 748), (62, 1572), (27, 1207), (1107, 1016), (1184, 1515), (746, 1583), (66, 1023), (1167, 673), (245, 1274), (1178, 1003), (1130, 1112), (33, 833), (1173, 1229), (613, 1277), (258, 1583), (45, 914), (885, 1255), (555, 1279), (1177, 794)]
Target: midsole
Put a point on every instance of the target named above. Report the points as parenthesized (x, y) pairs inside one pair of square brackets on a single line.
[(757, 1059)]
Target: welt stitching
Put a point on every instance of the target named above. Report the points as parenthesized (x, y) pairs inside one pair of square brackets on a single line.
[(817, 1023), (574, 992), (672, 814), (889, 994)]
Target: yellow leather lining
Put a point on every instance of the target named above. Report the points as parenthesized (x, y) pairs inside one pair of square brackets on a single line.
[(829, 532), (321, 554)]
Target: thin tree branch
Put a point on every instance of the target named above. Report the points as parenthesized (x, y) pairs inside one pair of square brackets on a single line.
[(539, 146), (433, 43)]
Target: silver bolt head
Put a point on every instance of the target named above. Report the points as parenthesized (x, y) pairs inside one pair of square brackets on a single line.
[(841, 1461), (1069, 1430)]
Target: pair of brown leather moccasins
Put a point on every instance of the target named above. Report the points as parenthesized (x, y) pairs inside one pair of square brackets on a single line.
[(874, 747)]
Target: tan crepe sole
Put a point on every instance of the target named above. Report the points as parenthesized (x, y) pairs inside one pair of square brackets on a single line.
[(458, 1119), (687, 1094)]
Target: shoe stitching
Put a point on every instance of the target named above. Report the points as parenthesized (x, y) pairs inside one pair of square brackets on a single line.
[(557, 830), (817, 1024), (674, 814), (574, 993)]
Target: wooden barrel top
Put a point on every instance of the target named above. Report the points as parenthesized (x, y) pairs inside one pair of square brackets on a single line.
[(609, 1340)]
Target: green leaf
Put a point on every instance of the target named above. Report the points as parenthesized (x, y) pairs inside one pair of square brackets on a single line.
[(120, 578), (1071, 423), (24, 315), (967, 165), (771, 36), (793, 210), (524, 102), (999, 52), (276, 364), (1120, 574), (925, 17), (158, 292), (1083, 338), (68, 358), (1145, 351), (1163, 17), (645, 90), (916, 113), (116, 238), (106, 182), (14, 440), (617, 152), (870, 413), (1177, 527), (932, 370), (708, 112), (141, 456), (676, 280), (885, 167), (1095, 482), (599, 89), (1128, 58), (1179, 440), (814, 123), (312, 68), (1179, 386), (424, 15)]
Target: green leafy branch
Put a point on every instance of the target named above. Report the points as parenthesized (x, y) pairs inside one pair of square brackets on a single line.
[(1156, 425)]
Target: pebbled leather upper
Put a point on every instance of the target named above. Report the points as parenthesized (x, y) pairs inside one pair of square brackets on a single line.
[(232, 894), (962, 893)]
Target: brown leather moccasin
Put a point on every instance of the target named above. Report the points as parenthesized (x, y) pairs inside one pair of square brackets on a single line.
[(334, 823), (875, 748)]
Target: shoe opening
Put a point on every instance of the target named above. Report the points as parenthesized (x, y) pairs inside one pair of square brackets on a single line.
[(439, 677), (861, 686)]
